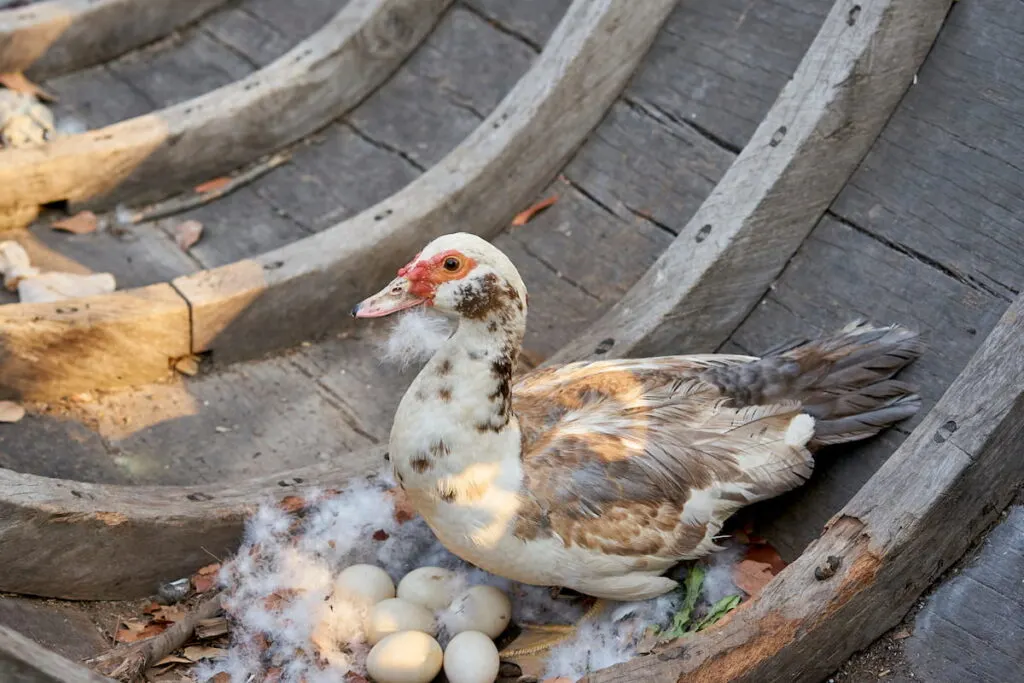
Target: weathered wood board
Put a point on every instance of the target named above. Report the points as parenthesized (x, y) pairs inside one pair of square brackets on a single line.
[(971, 628), (928, 233), (151, 156), (307, 287), (63, 348), (55, 37), (802, 153), (24, 661)]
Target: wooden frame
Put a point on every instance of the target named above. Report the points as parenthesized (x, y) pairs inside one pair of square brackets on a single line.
[(25, 661), (906, 526), (808, 145), (51, 38), (308, 286), (163, 152)]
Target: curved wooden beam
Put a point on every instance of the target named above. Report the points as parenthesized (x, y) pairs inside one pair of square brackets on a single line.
[(303, 289), (912, 520), (306, 288), (26, 661), (157, 154), (69, 539), (50, 38), (806, 148)]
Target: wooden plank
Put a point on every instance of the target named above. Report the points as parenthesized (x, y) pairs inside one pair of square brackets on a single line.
[(841, 274), (532, 21), (808, 145), (142, 257), (927, 233), (970, 629), (58, 36), (62, 348), (24, 661), (61, 628), (905, 527), (738, 56), (446, 89), (155, 155), (307, 287), (194, 65), (138, 535)]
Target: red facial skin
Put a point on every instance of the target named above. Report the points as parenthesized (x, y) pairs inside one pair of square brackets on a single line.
[(425, 276)]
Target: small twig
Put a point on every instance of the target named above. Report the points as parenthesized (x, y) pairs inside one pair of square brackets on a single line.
[(179, 204), (128, 663)]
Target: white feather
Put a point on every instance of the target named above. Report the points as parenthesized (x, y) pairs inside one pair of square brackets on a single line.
[(415, 336)]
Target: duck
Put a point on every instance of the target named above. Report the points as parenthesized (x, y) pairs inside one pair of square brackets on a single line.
[(599, 476)]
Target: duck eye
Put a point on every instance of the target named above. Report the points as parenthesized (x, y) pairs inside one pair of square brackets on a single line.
[(451, 264)]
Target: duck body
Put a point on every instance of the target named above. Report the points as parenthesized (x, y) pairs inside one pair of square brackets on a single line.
[(599, 476)]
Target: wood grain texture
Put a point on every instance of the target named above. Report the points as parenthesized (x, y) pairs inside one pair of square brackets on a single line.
[(58, 349), (151, 156), (24, 661), (808, 145), (152, 533), (970, 629), (51, 38), (928, 233), (308, 287), (903, 529)]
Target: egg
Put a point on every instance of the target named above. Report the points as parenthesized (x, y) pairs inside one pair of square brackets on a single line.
[(480, 608), (432, 587), (366, 580), (405, 657), (395, 614), (471, 657)]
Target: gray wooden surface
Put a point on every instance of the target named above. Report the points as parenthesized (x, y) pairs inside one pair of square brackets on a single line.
[(25, 661), (55, 37), (928, 233), (972, 628)]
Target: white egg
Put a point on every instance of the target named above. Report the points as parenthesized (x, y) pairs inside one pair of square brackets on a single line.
[(404, 657), (432, 587), (365, 580), (394, 615), (471, 657), (480, 608)]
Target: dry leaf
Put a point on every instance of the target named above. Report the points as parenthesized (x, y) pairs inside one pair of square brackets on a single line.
[(523, 217), (134, 632), (16, 81), (353, 677), (209, 569), (213, 185), (81, 223), (172, 659), (380, 535), (220, 677), (203, 584), (751, 576), (11, 411), (292, 503), (763, 552), (187, 233), (196, 652), (902, 634)]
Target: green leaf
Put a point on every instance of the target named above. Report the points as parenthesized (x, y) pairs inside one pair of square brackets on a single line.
[(717, 611), (681, 620)]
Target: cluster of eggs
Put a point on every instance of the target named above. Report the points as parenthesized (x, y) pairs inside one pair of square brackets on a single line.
[(401, 625)]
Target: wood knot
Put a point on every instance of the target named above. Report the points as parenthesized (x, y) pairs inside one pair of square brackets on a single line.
[(827, 569), (605, 346), (945, 431)]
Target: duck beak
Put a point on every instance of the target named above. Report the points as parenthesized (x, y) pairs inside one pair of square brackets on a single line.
[(393, 298)]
